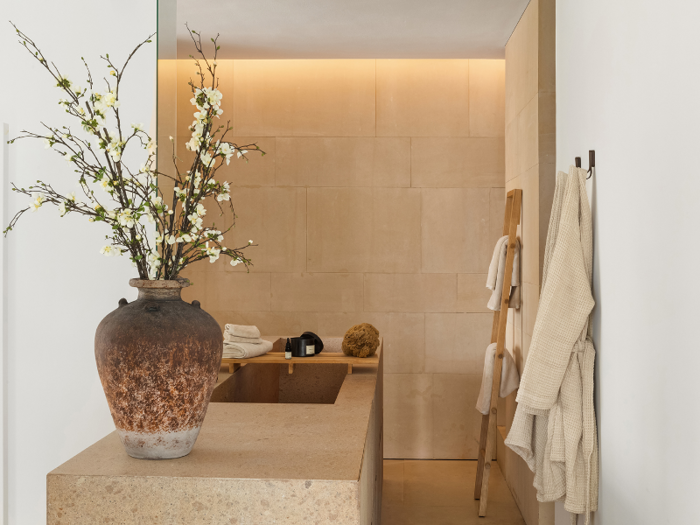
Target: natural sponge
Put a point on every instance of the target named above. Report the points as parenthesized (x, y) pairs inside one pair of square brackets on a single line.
[(361, 340)]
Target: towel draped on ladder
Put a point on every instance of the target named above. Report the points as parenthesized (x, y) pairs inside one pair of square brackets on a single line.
[(497, 270), (554, 428)]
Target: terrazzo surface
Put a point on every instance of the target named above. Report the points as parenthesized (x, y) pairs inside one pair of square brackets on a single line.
[(254, 463)]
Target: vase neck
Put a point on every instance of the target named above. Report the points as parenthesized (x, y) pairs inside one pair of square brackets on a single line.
[(160, 294), (159, 290)]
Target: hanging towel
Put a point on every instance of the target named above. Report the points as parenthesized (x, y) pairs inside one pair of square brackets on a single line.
[(236, 330), (510, 378), (554, 428), (244, 350), (496, 274)]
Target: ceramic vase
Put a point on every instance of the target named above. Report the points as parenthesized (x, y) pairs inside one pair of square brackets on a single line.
[(158, 359)]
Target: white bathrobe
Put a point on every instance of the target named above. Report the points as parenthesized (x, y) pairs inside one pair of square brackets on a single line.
[(554, 428)]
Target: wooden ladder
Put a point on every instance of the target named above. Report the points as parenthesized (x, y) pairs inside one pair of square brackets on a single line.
[(498, 335)]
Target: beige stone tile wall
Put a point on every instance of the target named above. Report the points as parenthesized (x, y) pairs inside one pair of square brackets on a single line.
[(530, 122), (379, 200)]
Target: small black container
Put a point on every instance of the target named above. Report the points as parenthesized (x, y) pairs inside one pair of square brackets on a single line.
[(307, 345)]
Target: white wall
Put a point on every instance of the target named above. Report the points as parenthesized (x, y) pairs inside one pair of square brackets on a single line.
[(59, 286), (628, 86)]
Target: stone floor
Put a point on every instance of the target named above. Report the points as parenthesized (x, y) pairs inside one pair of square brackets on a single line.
[(442, 493)]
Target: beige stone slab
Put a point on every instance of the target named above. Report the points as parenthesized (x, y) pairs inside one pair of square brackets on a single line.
[(86, 500), (547, 46), (457, 162), (522, 63), (344, 161), (528, 135), (423, 98), (403, 334), (225, 480), (408, 416), (404, 341), (258, 170), (295, 323), (304, 97), (497, 210), (419, 515), (511, 150), (228, 291), (385, 232), (401, 292), (530, 238), (392, 492), (456, 423), (456, 343), (455, 230), (472, 294), (275, 220), (487, 83), (442, 492), (251, 457), (547, 139), (313, 292)]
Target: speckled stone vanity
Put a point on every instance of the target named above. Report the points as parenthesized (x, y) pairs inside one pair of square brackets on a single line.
[(274, 448)]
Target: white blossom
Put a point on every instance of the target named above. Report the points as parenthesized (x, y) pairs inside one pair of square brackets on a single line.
[(224, 194), (212, 253), (126, 218), (37, 202), (180, 193), (206, 158), (110, 251)]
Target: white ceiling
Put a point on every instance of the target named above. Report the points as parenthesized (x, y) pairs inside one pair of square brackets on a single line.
[(351, 28)]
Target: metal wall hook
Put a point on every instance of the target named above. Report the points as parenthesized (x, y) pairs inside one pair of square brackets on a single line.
[(591, 162)]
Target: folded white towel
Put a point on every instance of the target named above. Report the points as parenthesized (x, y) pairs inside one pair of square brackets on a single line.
[(497, 269), (250, 332), (510, 378), (235, 339), (244, 350)]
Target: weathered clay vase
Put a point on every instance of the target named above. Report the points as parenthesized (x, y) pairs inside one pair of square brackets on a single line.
[(158, 359)]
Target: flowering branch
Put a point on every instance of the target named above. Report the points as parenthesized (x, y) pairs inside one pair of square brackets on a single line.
[(134, 205)]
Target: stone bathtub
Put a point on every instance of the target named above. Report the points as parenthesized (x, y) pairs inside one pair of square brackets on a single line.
[(277, 448)]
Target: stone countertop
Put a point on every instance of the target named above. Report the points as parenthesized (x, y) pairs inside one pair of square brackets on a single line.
[(261, 441)]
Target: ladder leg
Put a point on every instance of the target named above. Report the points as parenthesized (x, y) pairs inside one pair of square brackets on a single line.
[(482, 455), (488, 459)]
